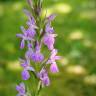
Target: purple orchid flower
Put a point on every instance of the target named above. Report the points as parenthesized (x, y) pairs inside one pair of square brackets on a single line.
[(27, 35), (28, 54), (43, 75), (21, 89), (31, 21), (46, 36), (26, 65), (49, 29), (54, 68), (50, 18), (37, 56), (49, 40), (53, 57), (49, 37)]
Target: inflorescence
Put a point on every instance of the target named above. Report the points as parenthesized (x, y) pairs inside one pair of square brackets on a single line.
[(38, 38)]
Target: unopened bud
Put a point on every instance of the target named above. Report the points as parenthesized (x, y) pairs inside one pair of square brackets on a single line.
[(30, 2)]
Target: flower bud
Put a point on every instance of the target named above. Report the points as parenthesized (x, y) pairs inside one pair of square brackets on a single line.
[(38, 8), (30, 2)]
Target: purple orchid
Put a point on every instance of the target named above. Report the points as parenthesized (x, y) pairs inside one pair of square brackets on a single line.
[(49, 29), (43, 75), (31, 21), (52, 61), (27, 35), (49, 40), (51, 17), (26, 65), (37, 56), (37, 34), (28, 54), (54, 67), (21, 89), (49, 37)]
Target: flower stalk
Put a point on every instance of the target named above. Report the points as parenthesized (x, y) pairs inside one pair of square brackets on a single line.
[(38, 35), (39, 87)]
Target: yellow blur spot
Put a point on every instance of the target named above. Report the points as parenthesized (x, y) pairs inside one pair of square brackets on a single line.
[(76, 35), (64, 61), (90, 80), (46, 12), (17, 6), (57, 8), (62, 8), (77, 70), (88, 14), (13, 65), (88, 43)]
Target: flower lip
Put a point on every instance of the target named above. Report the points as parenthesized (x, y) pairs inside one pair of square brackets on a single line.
[(49, 40), (54, 68), (49, 29), (43, 75), (53, 57), (25, 75), (37, 56), (21, 89), (26, 65)]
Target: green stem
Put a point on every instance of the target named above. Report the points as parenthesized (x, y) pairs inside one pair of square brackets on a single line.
[(39, 87)]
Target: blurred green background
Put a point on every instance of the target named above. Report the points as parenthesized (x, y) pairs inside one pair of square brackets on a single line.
[(76, 27)]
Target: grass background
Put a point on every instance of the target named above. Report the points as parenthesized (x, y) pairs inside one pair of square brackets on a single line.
[(75, 25)]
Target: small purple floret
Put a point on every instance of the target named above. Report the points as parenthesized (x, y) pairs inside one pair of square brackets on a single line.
[(54, 68), (51, 17), (53, 57), (29, 33), (26, 65), (49, 29), (25, 75), (21, 89), (37, 56), (43, 75), (49, 40)]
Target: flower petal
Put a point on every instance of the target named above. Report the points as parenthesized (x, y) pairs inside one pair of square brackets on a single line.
[(19, 35), (54, 52), (49, 29), (37, 57), (21, 89), (27, 13), (22, 85), (54, 68), (57, 57), (25, 75), (49, 41), (22, 44), (51, 17), (46, 81)]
